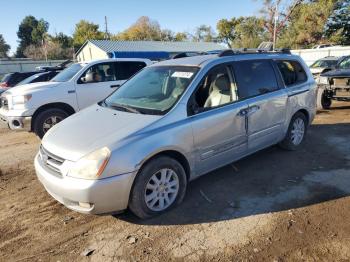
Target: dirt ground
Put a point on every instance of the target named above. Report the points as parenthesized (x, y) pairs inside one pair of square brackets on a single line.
[(272, 206)]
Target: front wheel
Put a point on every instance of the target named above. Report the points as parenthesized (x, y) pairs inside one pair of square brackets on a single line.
[(47, 119), (296, 132), (159, 186)]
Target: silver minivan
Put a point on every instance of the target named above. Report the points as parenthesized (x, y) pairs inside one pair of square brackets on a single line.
[(171, 123)]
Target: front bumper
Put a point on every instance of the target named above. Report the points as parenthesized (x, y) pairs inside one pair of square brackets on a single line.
[(17, 122), (104, 196)]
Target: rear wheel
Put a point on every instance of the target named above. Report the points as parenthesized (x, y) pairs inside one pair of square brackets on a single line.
[(159, 186), (47, 119), (296, 132), (326, 101)]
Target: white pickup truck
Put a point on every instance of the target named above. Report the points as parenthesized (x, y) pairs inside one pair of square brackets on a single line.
[(39, 106)]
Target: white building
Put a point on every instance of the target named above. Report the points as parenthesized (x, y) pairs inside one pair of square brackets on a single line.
[(99, 49)]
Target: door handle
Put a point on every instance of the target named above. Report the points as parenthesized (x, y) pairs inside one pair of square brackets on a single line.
[(113, 86), (243, 112), (253, 109)]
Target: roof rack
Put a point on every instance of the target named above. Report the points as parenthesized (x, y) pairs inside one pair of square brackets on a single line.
[(189, 54), (231, 52)]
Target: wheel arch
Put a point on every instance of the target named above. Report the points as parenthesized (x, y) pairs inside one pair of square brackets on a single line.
[(63, 106), (175, 154), (305, 113)]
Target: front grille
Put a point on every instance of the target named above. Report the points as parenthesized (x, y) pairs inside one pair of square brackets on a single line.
[(341, 82), (3, 103), (51, 161)]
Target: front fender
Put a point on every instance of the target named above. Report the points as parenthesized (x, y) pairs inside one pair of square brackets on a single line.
[(135, 151)]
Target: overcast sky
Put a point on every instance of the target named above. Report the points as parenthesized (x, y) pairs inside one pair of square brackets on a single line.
[(177, 15)]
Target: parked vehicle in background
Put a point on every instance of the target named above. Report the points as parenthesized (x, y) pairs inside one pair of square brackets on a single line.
[(323, 46), (40, 77), (335, 84), (171, 123), (39, 106), (12, 79), (323, 65)]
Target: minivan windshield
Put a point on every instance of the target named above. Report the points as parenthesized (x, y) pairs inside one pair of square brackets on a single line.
[(324, 63), (154, 90), (67, 73), (345, 64)]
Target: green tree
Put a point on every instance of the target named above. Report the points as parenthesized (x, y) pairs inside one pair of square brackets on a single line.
[(337, 27), (250, 32), (227, 32), (4, 47), (181, 36), (63, 40), (143, 29), (204, 33), (85, 30), (31, 32), (306, 26), (167, 35)]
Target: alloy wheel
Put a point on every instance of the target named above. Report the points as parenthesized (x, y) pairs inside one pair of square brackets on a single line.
[(298, 131), (162, 189), (50, 122)]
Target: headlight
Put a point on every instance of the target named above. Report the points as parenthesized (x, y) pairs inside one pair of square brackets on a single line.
[(20, 100), (92, 165), (323, 80)]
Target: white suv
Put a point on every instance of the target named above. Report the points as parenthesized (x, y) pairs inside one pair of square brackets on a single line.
[(39, 106)]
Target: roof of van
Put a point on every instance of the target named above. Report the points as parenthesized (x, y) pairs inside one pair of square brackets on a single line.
[(202, 60)]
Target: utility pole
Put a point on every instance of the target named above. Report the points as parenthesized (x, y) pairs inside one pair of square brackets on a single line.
[(44, 47), (106, 29), (275, 27)]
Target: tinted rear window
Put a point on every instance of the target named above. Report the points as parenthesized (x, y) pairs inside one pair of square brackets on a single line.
[(125, 70), (255, 77), (292, 72)]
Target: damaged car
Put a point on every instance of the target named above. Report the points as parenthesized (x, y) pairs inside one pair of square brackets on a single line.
[(335, 84)]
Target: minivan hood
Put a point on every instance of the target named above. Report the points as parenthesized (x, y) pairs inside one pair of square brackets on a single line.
[(33, 87), (91, 129), (338, 73)]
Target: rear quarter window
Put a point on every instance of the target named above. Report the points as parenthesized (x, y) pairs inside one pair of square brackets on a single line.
[(292, 72)]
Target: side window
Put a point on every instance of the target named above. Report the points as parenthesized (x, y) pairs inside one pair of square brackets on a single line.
[(255, 77), (125, 70), (98, 73), (292, 72), (215, 89)]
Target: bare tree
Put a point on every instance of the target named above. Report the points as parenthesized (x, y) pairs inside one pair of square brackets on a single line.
[(277, 13)]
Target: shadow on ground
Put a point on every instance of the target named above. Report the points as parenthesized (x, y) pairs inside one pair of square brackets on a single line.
[(269, 181)]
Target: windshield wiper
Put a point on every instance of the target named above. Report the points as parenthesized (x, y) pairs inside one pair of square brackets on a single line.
[(124, 108)]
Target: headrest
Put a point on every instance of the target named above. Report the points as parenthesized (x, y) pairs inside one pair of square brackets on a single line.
[(221, 83)]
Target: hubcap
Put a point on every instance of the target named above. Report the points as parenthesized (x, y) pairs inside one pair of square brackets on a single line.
[(298, 131), (162, 189), (50, 122)]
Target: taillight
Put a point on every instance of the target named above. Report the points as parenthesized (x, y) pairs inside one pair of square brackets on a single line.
[(4, 84)]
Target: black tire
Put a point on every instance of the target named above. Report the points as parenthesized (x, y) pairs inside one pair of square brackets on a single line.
[(287, 143), (326, 101), (137, 201), (41, 118)]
